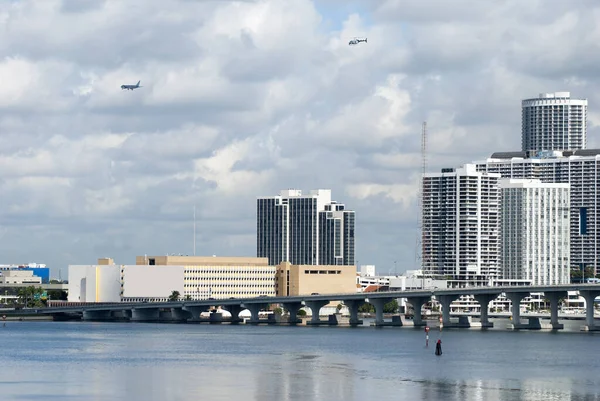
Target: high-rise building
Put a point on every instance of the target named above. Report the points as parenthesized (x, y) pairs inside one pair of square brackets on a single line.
[(304, 229), (535, 231), (580, 169), (554, 121), (336, 235), (272, 236), (461, 225)]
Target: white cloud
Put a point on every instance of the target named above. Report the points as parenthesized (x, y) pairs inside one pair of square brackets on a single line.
[(404, 195), (220, 169), (241, 99)]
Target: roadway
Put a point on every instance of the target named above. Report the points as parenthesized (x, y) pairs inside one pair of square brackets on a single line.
[(325, 297)]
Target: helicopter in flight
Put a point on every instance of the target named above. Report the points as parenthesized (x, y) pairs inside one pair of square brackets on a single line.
[(356, 41)]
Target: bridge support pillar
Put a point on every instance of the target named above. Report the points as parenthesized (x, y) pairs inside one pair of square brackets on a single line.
[(180, 315), (97, 315), (315, 307), (589, 296), (235, 313), (353, 309), (446, 300), (484, 303), (379, 304), (515, 299), (144, 314), (254, 309), (554, 298), (195, 312), (215, 317), (292, 308), (417, 303)]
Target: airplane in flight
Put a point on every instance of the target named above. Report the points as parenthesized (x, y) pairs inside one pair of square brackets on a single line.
[(356, 41), (131, 87)]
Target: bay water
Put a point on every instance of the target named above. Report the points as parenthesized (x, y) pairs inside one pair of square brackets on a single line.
[(146, 361)]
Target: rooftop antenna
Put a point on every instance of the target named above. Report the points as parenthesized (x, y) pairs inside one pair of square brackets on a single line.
[(194, 230)]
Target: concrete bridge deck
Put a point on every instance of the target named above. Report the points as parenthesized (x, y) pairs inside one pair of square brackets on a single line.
[(191, 310)]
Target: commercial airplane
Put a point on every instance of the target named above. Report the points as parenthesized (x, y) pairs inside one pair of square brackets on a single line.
[(356, 41), (131, 87)]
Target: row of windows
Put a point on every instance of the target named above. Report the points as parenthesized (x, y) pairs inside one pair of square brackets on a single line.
[(229, 285), (231, 270), (322, 272)]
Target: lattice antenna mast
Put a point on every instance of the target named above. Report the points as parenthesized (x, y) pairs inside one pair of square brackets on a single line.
[(421, 254)]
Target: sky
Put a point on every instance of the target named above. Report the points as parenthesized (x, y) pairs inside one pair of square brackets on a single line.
[(242, 99)]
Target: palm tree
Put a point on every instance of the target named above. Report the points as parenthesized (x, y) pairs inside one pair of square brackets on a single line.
[(174, 295)]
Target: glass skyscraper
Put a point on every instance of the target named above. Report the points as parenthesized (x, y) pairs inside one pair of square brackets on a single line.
[(304, 229)]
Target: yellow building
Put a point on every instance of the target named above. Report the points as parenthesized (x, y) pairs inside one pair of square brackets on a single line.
[(291, 280), (219, 277)]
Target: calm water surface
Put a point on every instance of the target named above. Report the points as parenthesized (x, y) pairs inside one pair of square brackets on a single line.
[(114, 361)]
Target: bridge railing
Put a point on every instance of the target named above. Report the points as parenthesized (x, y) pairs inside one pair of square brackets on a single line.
[(61, 304)]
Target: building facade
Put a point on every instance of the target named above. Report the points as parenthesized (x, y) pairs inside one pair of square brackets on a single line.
[(272, 235), (535, 231), (19, 277), (304, 229), (554, 121), (218, 277), (94, 283), (293, 280), (336, 235), (580, 169), (38, 269), (154, 278), (461, 225)]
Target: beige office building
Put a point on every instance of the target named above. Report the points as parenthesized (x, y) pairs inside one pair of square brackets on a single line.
[(216, 277), (154, 278), (292, 280)]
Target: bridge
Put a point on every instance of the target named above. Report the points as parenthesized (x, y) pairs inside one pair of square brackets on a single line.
[(185, 311)]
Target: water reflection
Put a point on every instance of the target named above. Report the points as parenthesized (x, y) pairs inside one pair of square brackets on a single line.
[(191, 362)]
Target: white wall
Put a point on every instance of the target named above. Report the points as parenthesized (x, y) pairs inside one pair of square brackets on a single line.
[(92, 283), (144, 281), (367, 270)]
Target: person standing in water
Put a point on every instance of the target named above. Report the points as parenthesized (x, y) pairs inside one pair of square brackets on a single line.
[(438, 347), (427, 336)]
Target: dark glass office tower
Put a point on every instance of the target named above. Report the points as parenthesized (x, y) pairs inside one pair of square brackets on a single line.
[(304, 229), (272, 229), (336, 235)]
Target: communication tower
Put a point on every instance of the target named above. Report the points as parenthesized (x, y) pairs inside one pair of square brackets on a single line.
[(420, 248)]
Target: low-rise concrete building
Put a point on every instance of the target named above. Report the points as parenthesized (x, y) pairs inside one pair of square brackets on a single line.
[(218, 277), (95, 283), (154, 278), (19, 277), (310, 279)]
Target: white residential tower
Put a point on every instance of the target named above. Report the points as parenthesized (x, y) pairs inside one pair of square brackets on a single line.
[(535, 231), (461, 225), (554, 121)]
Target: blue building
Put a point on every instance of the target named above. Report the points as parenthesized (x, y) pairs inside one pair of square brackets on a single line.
[(42, 272)]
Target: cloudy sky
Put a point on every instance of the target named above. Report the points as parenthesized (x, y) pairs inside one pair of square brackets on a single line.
[(242, 99)]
